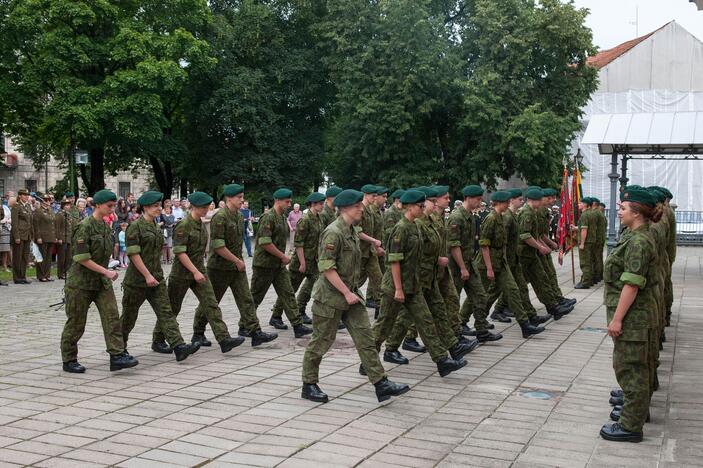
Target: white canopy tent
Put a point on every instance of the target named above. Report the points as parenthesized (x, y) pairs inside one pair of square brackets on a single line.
[(650, 94)]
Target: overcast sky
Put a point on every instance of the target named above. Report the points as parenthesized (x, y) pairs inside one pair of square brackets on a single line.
[(613, 21)]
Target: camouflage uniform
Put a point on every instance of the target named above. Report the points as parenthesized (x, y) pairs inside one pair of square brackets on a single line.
[(432, 243), (227, 230), (44, 229), (660, 234), (602, 225), (461, 233), (190, 237), (22, 229), (369, 260), (512, 238), (390, 218), (328, 215), (65, 224), (445, 280), (630, 262), (532, 267), (145, 239), (547, 261), (307, 236), (93, 241), (670, 217), (268, 270), (493, 236), (339, 250), (587, 255), (406, 248)]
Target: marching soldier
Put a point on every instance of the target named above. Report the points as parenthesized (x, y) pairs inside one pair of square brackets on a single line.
[(226, 269), (630, 290), (493, 266), (21, 235), (188, 272), (144, 280), (65, 223), (371, 247), (337, 297), (89, 281), (303, 266), (329, 213), (461, 234), (45, 237), (270, 263), (402, 287), (391, 216)]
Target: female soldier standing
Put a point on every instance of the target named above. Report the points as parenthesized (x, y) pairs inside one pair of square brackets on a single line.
[(631, 304), (89, 281), (144, 279)]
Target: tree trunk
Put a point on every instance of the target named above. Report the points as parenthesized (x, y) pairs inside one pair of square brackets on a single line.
[(95, 180), (163, 173), (183, 187)]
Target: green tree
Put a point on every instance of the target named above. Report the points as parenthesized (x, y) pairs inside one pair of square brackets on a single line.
[(105, 76)]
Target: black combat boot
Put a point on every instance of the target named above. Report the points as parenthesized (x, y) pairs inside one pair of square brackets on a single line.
[(497, 316), (460, 350), (617, 433), (306, 318), (395, 357), (312, 392), (198, 338), (228, 344), (182, 351), (473, 344), (528, 329), (277, 323), (122, 361), (244, 332), (617, 392), (467, 330), (507, 312), (362, 371), (341, 326), (617, 401), (386, 389), (301, 330), (161, 347), (488, 336), (411, 344), (567, 301), (446, 366), (539, 319), (581, 285), (73, 367), (261, 337)]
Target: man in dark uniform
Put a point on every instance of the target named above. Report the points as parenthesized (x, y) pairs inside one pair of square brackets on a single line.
[(44, 236), (21, 236)]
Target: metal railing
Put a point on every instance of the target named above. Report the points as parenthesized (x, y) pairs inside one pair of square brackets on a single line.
[(689, 227)]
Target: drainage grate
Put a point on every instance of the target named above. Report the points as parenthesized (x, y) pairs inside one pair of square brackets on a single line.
[(594, 330), (539, 393)]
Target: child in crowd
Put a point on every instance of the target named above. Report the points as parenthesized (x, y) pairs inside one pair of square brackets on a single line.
[(123, 245)]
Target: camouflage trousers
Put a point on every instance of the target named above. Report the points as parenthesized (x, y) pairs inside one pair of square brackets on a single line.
[(631, 363), (447, 291), (132, 299), (305, 282), (417, 309), (534, 273), (548, 264), (438, 310), (519, 277), (371, 270), (587, 260), (77, 304), (476, 301), (373, 290), (504, 285), (262, 279), (324, 331), (44, 267), (177, 290), (598, 258), (63, 259), (237, 282)]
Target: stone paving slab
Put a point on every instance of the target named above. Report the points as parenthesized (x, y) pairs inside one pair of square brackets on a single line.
[(244, 408)]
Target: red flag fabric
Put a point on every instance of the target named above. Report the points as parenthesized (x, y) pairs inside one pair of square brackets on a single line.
[(565, 213)]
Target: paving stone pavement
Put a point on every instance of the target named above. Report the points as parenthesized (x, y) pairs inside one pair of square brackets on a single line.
[(244, 408)]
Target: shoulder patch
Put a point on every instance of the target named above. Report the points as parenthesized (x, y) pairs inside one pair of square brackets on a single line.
[(329, 246)]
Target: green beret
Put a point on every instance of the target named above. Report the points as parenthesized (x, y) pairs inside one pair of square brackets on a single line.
[(549, 192), (348, 197), (380, 190), (667, 192), (199, 199), (333, 191), (635, 187), (472, 191), (412, 196), (637, 195), (586, 200), (68, 194), (232, 190), (594, 200), (150, 197), (429, 192), (104, 196), (534, 194), (369, 188), (398, 193), (501, 196), (515, 193), (658, 195), (441, 190), (534, 187), (314, 198), (282, 194)]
